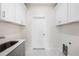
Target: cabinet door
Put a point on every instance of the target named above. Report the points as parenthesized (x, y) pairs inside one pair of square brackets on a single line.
[(61, 13), (8, 11), (20, 13), (73, 12), (25, 14)]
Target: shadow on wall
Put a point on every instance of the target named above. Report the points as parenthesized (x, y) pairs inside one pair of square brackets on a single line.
[(70, 29)]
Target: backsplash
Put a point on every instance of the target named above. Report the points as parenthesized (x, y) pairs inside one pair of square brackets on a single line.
[(10, 31)]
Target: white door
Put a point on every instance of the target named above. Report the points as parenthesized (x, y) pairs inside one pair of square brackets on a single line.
[(39, 33)]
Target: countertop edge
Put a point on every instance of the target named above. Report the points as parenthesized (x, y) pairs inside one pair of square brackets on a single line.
[(8, 50)]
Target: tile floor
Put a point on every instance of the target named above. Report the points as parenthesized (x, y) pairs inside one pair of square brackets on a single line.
[(45, 53)]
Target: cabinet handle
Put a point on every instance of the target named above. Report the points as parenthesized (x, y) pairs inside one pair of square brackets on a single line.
[(3, 14)]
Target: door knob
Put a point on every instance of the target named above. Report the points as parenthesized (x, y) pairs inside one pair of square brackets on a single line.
[(43, 34)]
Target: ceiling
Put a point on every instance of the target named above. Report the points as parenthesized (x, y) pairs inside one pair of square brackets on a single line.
[(40, 4)]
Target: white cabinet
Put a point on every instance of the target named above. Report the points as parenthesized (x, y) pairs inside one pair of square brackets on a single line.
[(67, 13), (20, 13), (13, 13), (73, 12), (61, 13), (8, 11)]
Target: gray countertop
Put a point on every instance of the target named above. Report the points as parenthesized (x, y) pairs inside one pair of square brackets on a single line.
[(8, 50)]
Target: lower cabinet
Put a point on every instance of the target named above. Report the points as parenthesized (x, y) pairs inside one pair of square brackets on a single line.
[(19, 51)]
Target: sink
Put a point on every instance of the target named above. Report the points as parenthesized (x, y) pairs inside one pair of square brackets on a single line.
[(6, 45)]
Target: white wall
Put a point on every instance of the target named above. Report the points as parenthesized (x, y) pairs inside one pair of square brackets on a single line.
[(27, 32), (53, 31), (10, 31)]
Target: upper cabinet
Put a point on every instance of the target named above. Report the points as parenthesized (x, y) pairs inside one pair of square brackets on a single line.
[(73, 12), (67, 13), (61, 13), (13, 13), (8, 12), (20, 13)]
